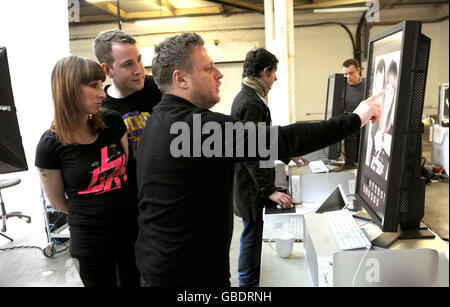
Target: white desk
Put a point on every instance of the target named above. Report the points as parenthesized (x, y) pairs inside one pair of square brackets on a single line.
[(284, 272)]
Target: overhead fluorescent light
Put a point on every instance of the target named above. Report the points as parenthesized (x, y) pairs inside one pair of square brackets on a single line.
[(342, 9), (161, 21), (97, 0)]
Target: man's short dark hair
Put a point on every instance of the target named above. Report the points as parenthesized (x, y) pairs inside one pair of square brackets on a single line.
[(103, 44), (174, 53), (257, 60), (349, 62)]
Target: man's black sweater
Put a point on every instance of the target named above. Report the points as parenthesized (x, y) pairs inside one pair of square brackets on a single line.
[(186, 204)]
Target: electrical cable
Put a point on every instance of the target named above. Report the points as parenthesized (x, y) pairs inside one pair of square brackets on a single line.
[(359, 266), (22, 246), (36, 247)]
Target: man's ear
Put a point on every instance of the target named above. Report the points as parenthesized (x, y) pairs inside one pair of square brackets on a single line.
[(180, 79), (107, 70), (359, 71), (265, 72)]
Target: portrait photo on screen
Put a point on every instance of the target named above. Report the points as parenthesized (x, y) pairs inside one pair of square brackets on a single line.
[(377, 150), (380, 134)]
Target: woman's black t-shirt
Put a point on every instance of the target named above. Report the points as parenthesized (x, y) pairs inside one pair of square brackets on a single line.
[(102, 219)]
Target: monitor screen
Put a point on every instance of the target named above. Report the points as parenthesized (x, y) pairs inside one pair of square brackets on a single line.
[(334, 106), (330, 97), (389, 185), (378, 137)]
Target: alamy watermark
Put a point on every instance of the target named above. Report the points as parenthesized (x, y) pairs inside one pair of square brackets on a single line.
[(373, 270), (73, 7), (373, 13), (225, 140)]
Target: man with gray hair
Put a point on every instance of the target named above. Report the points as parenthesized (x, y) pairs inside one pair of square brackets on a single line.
[(186, 202)]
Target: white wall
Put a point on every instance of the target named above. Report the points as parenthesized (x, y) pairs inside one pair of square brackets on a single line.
[(36, 35), (319, 52)]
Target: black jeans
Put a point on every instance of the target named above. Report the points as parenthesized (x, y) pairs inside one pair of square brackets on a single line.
[(106, 271), (148, 283)]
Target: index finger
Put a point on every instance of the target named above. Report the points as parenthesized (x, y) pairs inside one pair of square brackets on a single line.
[(375, 97)]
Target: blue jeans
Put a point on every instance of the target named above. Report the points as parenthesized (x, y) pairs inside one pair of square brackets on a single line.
[(249, 264)]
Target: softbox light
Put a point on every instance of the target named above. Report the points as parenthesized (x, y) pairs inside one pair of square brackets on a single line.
[(12, 155)]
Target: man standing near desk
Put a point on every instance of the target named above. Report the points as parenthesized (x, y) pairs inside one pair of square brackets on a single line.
[(354, 95), (255, 186), (186, 205)]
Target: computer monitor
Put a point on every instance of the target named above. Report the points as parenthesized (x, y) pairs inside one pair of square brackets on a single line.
[(336, 88), (334, 106), (389, 185), (443, 105), (12, 155)]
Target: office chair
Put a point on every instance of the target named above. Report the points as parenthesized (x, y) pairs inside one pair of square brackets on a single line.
[(6, 183)]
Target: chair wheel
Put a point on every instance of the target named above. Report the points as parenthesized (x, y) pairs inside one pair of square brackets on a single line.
[(49, 251)]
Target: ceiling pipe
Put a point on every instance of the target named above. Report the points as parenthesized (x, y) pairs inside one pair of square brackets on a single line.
[(119, 20), (236, 5)]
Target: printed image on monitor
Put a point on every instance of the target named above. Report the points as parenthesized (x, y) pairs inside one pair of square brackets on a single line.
[(389, 186), (380, 134), (443, 104)]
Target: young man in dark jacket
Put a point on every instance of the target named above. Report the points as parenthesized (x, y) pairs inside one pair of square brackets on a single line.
[(185, 167), (254, 186)]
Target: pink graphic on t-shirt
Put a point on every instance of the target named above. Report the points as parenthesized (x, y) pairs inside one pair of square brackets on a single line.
[(103, 178)]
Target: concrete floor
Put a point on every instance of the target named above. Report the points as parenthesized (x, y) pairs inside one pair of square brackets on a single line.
[(29, 267)]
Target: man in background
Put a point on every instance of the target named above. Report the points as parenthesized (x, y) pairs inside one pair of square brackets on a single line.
[(354, 95)]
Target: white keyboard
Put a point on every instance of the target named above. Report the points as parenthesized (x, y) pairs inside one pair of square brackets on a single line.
[(345, 231)]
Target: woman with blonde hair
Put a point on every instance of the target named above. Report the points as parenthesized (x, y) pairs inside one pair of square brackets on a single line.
[(82, 162)]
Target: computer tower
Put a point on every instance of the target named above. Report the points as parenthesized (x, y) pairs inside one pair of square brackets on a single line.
[(319, 249)]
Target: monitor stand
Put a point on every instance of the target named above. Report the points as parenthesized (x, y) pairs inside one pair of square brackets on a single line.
[(386, 239)]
